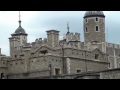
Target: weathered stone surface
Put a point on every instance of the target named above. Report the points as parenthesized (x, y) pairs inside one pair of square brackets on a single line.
[(39, 58)]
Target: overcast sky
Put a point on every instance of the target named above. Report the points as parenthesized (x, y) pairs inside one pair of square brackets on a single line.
[(37, 22)]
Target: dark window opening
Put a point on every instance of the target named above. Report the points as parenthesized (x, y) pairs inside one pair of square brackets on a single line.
[(96, 56), (86, 29), (15, 56), (32, 53), (96, 19), (97, 28), (2, 75), (79, 71), (44, 52), (109, 66), (57, 71)]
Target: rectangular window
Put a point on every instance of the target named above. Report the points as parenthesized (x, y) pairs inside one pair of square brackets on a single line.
[(79, 71), (57, 71), (97, 56), (15, 56), (43, 52), (2, 75), (109, 66)]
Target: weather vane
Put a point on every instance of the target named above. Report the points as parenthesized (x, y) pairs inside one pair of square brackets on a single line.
[(19, 19), (68, 27), (19, 15)]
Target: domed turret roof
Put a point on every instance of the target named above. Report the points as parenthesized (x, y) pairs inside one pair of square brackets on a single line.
[(94, 14), (19, 30)]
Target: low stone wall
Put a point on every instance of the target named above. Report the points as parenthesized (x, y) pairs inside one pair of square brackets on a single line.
[(106, 74), (71, 76), (28, 75), (110, 74)]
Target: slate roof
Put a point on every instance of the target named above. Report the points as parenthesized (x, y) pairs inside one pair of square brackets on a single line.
[(94, 14)]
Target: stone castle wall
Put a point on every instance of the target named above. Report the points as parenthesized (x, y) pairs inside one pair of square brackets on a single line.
[(91, 27)]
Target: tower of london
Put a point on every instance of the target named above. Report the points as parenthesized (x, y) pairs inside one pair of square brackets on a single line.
[(52, 56)]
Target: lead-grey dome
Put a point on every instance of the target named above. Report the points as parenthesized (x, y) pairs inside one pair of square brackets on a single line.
[(19, 30), (94, 14)]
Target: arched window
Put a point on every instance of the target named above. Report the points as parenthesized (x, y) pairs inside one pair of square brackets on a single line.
[(97, 28), (96, 19), (86, 29)]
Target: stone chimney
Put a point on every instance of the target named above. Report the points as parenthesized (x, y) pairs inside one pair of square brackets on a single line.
[(53, 38)]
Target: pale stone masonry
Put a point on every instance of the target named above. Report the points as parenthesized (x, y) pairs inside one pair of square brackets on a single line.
[(52, 56)]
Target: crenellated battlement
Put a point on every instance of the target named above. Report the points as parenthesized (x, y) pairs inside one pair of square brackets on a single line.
[(75, 45), (41, 41), (38, 42), (73, 37), (117, 46)]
